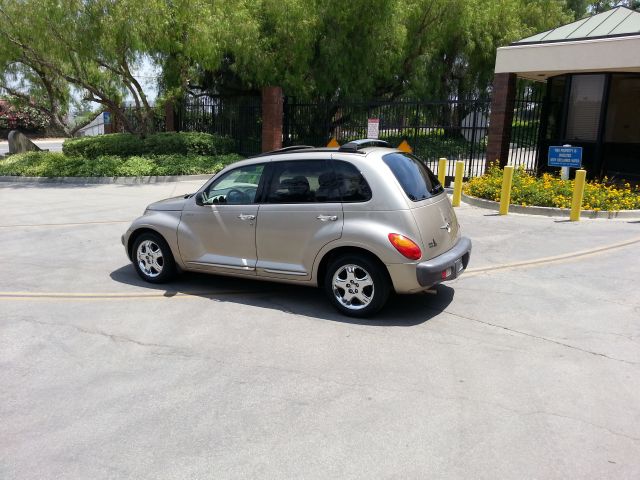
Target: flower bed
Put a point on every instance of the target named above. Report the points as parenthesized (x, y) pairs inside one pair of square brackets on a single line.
[(551, 191)]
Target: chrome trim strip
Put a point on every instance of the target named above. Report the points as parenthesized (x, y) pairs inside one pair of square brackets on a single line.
[(285, 272), (219, 265)]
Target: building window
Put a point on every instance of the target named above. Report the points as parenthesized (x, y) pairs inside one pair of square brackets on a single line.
[(585, 103), (623, 125)]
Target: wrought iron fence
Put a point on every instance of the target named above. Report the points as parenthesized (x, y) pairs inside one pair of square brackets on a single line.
[(525, 129), (455, 130), (238, 117)]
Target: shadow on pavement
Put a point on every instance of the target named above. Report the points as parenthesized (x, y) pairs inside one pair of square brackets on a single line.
[(401, 310)]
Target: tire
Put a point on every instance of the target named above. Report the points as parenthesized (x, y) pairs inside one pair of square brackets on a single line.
[(152, 258), (343, 284)]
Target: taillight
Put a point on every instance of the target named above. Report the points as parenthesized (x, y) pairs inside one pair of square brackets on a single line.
[(405, 246)]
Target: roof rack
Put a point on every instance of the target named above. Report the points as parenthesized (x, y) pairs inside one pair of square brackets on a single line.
[(356, 145), (292, 148)]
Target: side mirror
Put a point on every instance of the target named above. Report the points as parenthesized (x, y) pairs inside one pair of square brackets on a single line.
[(199, 198)]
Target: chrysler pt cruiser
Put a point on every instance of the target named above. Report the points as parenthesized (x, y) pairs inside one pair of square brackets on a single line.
[(360, 221)]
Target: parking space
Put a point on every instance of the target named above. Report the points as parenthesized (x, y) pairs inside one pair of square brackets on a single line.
[(515, 370)]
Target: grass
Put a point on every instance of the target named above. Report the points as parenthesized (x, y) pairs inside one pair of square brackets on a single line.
[(51, 164), (551, 191)]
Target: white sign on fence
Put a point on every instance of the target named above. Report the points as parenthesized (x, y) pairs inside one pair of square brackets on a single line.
[(373, 128)]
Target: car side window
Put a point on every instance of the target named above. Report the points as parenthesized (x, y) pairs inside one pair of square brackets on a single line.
[(303, 181), (353, 186), (236, 187)]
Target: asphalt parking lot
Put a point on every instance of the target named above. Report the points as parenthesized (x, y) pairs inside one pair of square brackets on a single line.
[(528, 366)]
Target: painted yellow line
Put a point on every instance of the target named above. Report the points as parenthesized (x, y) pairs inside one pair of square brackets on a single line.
[(77, 224), (105, 296), (124, 295), (553, 259)]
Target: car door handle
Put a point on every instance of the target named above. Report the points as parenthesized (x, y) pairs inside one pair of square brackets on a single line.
[(242, 216), (325, 218)]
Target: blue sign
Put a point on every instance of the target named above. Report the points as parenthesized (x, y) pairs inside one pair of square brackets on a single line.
[(565, 157), (106, 117)]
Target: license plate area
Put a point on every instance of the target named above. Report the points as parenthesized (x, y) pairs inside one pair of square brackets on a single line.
[(458, 266)]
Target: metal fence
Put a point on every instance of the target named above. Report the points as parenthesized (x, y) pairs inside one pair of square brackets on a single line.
[(238, 117), (525, 129), (455, 130)]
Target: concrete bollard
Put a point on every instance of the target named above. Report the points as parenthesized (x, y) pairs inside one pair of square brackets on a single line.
[(457, 184), (442, 170), (505, 195), (578, 194)]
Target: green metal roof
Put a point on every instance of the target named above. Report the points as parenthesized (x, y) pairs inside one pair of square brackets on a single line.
[(617, 22)]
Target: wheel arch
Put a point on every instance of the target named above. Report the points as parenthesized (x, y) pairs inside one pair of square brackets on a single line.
[(329, 256), (140, 231)]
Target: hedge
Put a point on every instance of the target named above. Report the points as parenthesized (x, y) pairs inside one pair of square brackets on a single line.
[(126, 145), (55, 164)]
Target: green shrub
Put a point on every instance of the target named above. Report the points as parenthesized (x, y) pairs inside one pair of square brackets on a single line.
[(52, 164), (551, 191), (167, 143)]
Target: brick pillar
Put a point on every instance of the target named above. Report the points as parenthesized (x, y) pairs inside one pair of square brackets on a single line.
[(169, 117), (502, 103), (272, 113)]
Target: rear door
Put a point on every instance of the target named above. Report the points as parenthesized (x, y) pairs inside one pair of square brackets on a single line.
[(301, 212), (428, 202)]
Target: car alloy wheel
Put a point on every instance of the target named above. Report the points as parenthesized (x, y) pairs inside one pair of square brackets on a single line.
[(150, 258), (357, 284), (353, 287)]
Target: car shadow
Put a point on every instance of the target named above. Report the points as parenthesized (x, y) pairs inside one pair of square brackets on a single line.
[(400, 310)]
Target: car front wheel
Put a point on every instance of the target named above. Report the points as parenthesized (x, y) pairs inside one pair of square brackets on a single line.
[(356, 285), (152, 258)]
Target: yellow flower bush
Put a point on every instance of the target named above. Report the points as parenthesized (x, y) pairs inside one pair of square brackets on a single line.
[(551, 191)]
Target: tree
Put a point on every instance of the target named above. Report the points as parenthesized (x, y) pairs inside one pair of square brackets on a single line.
[(91, 45)]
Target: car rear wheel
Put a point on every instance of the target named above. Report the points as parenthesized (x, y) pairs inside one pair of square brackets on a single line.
[(152, 258), (356, 285)]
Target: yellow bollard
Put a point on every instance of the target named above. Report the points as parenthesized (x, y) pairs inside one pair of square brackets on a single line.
[(442, 170), (457, 184), (505, 196), (578, 193)]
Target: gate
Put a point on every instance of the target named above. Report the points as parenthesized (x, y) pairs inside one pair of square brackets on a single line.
[(525, 128), (237, 117), (455, 130)]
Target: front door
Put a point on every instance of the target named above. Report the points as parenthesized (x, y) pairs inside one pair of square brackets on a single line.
[(301, 213), (220, 234)]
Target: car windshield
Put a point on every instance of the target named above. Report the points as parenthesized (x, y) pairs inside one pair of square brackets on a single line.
[(417, 181)]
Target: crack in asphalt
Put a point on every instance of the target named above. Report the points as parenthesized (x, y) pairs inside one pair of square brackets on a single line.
[(545, 339), (113, 337), (176, 351)]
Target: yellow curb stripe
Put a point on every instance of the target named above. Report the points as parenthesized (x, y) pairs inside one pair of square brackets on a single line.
[(88, 296), (553, 259), (103, 296), (43, 225)]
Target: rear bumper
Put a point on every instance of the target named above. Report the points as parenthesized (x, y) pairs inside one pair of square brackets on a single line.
[(430, 272)]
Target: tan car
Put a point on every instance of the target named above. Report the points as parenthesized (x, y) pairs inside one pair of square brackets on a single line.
[(359, 221)]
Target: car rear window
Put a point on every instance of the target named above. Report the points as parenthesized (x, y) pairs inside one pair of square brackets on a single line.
[(417, 181)]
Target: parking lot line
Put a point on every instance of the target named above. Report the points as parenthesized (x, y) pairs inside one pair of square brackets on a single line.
[(104, 296), (122, 296), (552, 259), (73, 224)]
